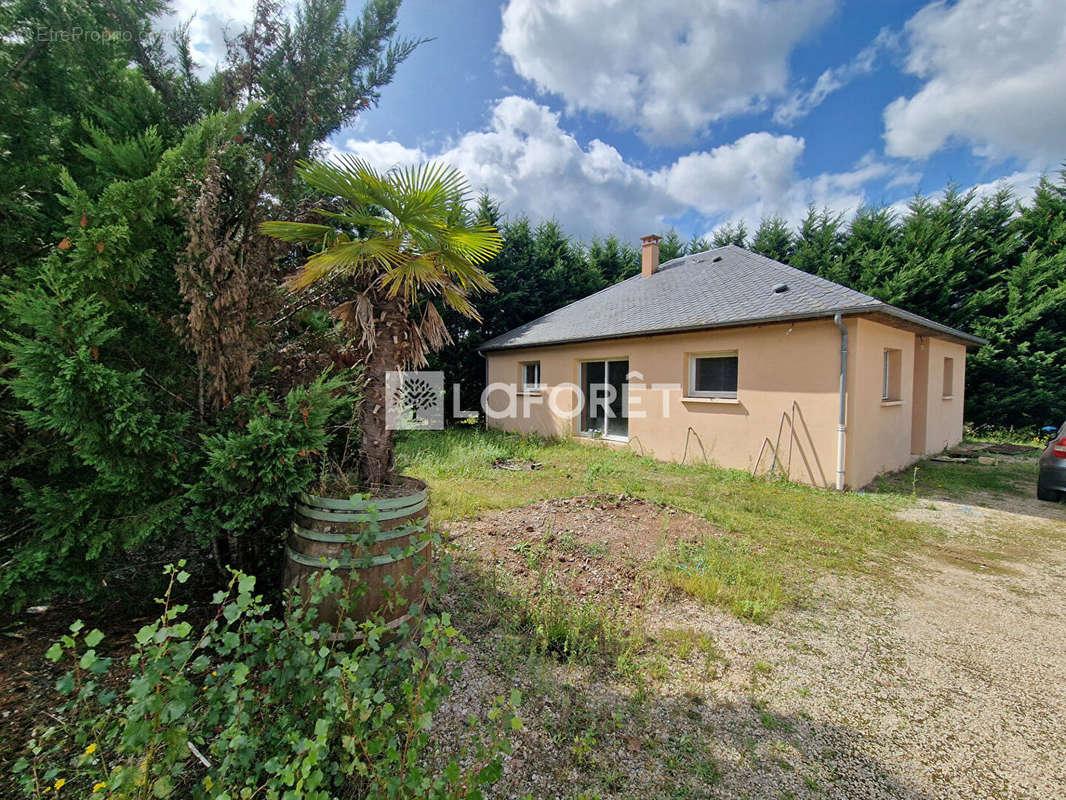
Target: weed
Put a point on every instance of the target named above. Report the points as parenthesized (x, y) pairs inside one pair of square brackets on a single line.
[(544, 620), (595, 549), (960, 481), (687, 644), (726, 573)]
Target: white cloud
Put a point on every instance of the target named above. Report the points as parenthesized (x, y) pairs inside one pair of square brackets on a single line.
[(532, 166), (994, 78), (669, 67), (799, 104), (840, 192), (535, 167), (1023, 183), (753, 169), (209, 24), (382, 155)]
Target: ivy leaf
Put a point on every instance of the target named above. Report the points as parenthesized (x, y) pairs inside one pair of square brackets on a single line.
[(94, 637)]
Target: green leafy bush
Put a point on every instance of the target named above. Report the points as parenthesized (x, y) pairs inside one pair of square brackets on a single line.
[(254, 705), (268, 454), (94, 376)]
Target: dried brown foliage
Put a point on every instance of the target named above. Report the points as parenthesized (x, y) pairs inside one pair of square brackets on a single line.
[(226, 279), (416, 335)]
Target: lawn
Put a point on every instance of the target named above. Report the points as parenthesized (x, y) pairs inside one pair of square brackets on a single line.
[(779, 536)]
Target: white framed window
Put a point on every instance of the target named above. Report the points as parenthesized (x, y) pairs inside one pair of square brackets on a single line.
[(892, 376), (949, 378), (713, 375), (531, 376)]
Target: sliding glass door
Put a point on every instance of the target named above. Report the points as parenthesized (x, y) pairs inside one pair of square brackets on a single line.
[(606, 393)]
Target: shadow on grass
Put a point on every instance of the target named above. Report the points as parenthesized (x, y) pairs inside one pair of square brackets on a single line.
[(599, 724)]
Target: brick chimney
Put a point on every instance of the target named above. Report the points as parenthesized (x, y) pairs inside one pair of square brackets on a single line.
[(649, 254)]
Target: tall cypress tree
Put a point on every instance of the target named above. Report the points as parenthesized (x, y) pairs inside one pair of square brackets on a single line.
[(614, 260), (151, 278), (820, 243), (1020, 376), (773, 239)]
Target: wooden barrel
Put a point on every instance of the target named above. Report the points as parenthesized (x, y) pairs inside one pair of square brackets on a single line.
[(393, 564)]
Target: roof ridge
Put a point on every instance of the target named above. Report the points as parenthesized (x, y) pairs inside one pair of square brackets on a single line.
[(694, 292)]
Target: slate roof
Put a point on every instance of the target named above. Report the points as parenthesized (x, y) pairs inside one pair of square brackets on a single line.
[(726, 286)]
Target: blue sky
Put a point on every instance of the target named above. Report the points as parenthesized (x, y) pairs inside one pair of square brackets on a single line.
[(629, 116)]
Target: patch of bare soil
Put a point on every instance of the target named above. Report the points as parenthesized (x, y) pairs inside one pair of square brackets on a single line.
[(596, 546), (988, 513), (949, 685)]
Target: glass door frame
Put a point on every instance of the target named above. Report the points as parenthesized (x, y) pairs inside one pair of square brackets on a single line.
[(602, 433)]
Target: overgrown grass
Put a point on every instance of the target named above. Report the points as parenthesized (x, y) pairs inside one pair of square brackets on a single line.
[(578, 631), (777, 535), (688, 644), (546, 621), (1008, 435), (725, 573), (960, 481)]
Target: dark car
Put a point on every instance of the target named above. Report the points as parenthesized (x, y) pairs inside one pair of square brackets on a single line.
[(1051, 485)]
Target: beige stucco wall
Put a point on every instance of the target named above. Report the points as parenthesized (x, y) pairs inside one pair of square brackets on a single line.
[(944, 420), (777, 364), (880, 434)]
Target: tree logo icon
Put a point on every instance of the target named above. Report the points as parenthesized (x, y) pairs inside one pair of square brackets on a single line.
[(414, 400)]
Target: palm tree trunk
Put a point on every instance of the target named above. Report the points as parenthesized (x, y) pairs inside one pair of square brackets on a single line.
[(377, 458)]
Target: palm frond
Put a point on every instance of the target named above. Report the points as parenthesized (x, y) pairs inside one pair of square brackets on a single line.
[(415, 274), (406, 232), (478, 244), (457, 300), (359, 218), (432, 187), (346, 258), (349, 177), (465, 274), (300, 232), (434, 331)]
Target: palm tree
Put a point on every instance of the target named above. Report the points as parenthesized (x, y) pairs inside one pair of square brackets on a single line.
[(402, 241)]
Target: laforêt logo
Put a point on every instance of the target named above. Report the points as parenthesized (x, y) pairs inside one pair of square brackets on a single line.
[(414, 400)]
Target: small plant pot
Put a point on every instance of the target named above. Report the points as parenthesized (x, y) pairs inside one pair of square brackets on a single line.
[(376, 545)]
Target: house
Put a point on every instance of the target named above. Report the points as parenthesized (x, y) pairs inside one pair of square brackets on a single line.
[(729, 357)]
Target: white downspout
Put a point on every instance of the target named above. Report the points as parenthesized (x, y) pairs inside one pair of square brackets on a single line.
[(842, 434)]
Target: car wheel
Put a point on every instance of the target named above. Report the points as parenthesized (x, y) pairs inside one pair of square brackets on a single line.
[(1047, 494)]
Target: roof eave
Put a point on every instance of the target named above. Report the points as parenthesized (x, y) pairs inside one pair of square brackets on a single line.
[(944, 330), (968, 339), (681, 329)]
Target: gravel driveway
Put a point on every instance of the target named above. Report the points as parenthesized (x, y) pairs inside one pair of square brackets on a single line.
[(948, 682)]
